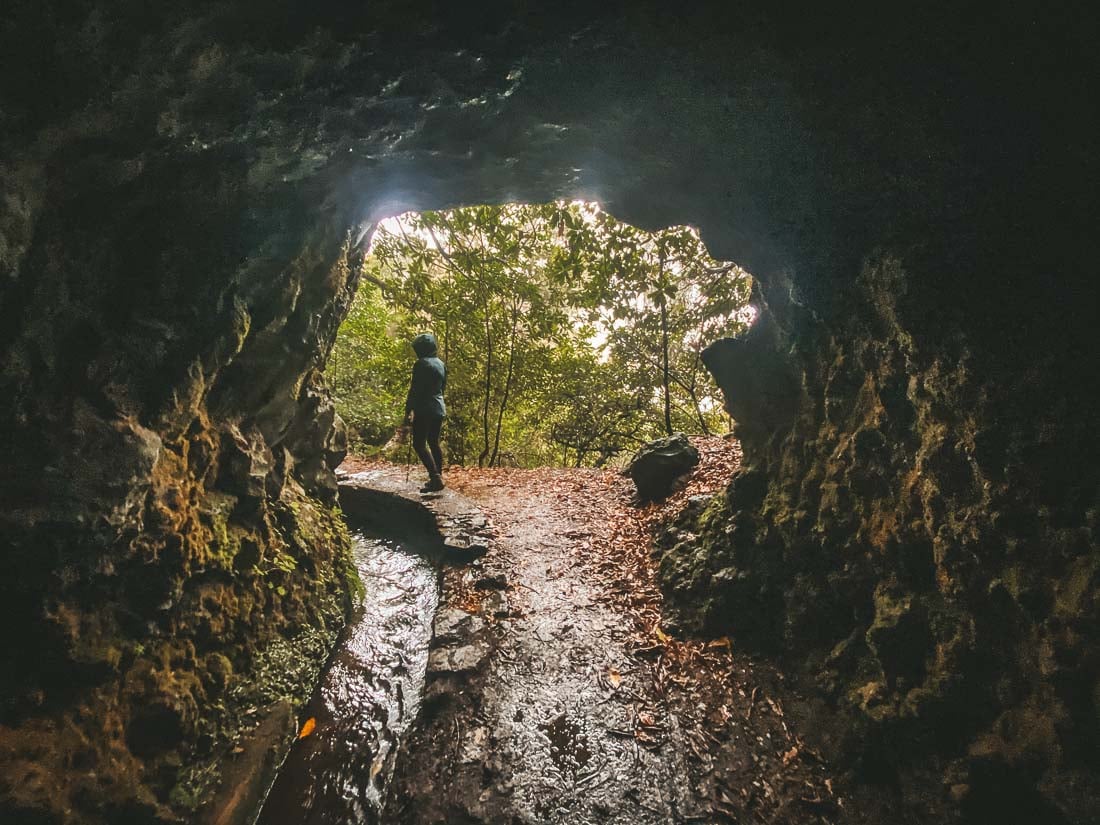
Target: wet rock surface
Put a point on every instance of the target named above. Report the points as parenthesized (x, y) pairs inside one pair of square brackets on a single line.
[(370, 693), (383, 493), (249, 770), (901, 552), (550, 699), (182, 199)]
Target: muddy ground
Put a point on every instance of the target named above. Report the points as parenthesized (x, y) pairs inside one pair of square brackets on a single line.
[(554, 695)]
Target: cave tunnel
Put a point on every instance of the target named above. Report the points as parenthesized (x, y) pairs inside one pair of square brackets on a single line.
[(185, 198)]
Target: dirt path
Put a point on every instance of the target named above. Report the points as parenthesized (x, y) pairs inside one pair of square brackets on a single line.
[(554, 696)]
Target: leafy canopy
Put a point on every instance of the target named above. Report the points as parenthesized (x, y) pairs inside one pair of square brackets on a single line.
[(569, 337)]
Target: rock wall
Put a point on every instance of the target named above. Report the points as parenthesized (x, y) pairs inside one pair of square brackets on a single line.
[(919, 540), (185, 195), (174, 564)]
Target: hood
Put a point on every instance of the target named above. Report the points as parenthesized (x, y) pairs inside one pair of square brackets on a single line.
[(424, 345)]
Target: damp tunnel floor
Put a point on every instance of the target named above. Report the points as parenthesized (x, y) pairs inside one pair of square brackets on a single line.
[(337, 770), (553, 693)]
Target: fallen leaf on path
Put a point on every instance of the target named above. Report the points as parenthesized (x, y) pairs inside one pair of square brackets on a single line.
[(307, 728), (695, 694)]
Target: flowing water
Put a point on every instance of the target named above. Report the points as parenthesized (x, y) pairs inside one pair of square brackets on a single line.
[(368, 697)]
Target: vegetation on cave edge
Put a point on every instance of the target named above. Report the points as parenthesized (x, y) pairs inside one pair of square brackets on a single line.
[(570, 337)]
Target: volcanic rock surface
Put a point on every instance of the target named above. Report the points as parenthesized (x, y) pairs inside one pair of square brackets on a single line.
[(658, 465), (186, 192)]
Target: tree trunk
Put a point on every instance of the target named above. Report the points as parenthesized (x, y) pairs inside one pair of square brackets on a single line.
[(699, 414), (488, 386), (507, 382), (664, 345), (693, 391)]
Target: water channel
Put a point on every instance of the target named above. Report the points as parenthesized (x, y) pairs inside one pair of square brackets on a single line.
[(369, 694)]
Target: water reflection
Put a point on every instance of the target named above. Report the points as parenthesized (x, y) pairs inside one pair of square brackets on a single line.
[(368, 696)]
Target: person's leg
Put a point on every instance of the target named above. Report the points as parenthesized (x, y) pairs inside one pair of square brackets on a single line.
[(434, 428), (420, 438), (431, 453)]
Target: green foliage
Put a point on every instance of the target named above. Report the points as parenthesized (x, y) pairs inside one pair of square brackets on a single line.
[(368, 367), (569, 337)]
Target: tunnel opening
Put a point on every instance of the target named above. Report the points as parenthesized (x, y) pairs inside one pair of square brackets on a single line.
[(570, 338), (911, 189), (550, 318)]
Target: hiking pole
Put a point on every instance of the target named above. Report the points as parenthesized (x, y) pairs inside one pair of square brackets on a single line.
[(408, 451)]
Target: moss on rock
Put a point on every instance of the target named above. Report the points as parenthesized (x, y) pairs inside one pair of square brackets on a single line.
[(894, 542)]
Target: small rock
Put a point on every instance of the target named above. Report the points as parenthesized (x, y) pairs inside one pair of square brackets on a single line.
[(458, 660), (495, 582), (656, 466), (496, 604), (453, 624)]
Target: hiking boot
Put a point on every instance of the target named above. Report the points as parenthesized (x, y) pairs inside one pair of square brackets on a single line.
[(434, 485)]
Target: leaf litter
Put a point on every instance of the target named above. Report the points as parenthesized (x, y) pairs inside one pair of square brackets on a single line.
[(719, 707)]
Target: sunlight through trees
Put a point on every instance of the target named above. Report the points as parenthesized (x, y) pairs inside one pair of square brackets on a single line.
[(570, 337)]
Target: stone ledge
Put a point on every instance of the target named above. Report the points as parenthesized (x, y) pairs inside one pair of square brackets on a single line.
[(384, 495), (248, 776)]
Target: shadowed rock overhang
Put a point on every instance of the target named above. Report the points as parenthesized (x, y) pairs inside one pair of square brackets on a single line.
[(185, 198)]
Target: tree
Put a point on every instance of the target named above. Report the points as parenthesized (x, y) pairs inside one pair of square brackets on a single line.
[(569, 335)]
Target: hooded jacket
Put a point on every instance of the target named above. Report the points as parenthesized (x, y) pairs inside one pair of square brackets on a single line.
[(429, 379)]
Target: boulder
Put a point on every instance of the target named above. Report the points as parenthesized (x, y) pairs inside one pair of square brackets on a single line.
[(657, 465)]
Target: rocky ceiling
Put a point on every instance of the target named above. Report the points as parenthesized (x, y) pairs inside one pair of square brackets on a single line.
[(185, 192)]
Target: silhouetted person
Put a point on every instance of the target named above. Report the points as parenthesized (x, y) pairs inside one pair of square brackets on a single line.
[(424, 406)]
